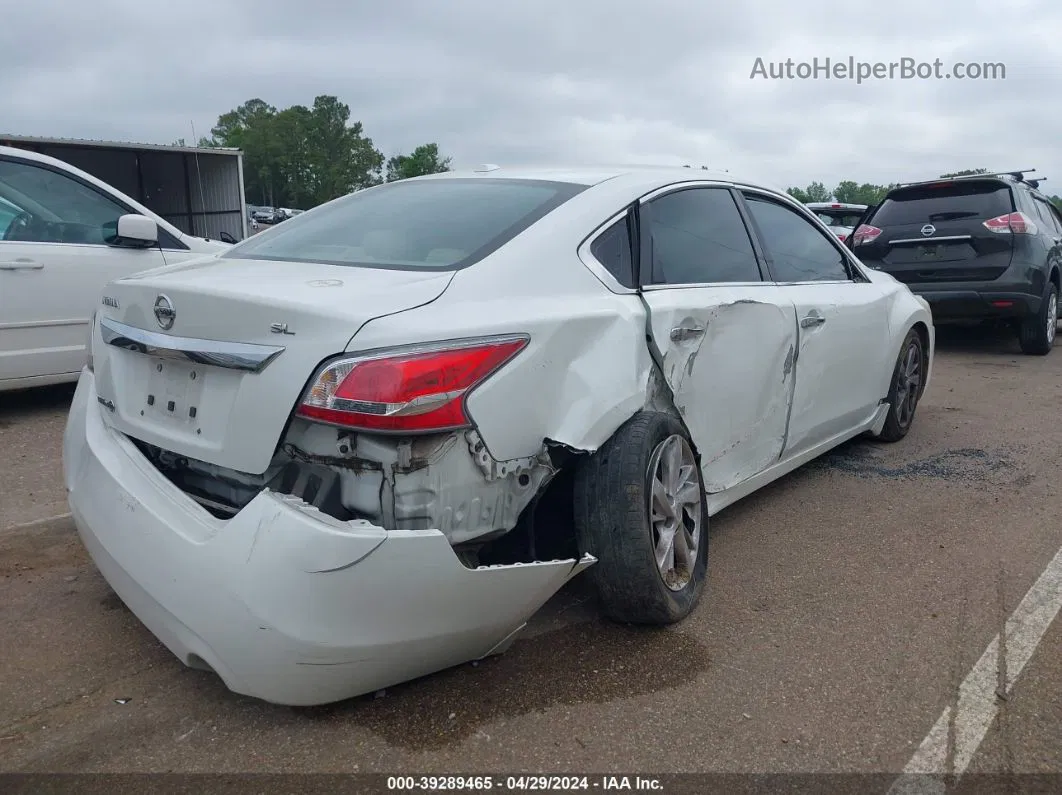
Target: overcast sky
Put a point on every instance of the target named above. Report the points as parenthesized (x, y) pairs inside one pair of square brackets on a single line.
[(582, 81)]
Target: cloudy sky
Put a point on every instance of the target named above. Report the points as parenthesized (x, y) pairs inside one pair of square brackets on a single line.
[(582, 81)]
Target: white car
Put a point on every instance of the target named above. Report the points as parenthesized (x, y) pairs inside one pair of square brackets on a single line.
[(63, 235), (371, 442), (840, 217)]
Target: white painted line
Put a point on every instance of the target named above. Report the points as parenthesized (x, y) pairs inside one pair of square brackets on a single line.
[(36, 522), (952, 742)]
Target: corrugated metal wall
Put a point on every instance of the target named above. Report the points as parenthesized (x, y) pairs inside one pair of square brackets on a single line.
[(197, 193)]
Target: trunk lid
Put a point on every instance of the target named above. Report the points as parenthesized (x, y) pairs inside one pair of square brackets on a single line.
[(229, 401), (936, 232)]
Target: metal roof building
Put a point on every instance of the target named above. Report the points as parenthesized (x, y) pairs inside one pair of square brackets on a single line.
[(198, 190)]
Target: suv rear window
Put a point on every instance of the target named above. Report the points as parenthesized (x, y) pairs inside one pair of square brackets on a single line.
[(924, 204), (437, 224)]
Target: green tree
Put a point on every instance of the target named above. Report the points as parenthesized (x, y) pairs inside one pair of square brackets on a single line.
[(849, 192), (204, 143), (966, 173), (1057, 201), (422, 160), (815, 192), (300, 156)]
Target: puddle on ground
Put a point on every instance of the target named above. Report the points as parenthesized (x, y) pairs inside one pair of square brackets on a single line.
[(595, 662)]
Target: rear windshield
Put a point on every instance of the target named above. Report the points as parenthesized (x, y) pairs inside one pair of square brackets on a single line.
[(952, 202), (839, 217), (440, 224)]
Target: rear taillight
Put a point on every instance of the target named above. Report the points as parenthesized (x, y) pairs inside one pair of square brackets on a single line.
[(865, 234), (1011, 223), (842, 236), (416, 389)]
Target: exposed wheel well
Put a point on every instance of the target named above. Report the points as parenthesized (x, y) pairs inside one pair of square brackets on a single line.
[(1057, 279)]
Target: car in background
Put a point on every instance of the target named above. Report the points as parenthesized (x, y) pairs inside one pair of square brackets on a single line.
[(979, 248), (63, 235), (263, 215), (840, 217), (371, 443)]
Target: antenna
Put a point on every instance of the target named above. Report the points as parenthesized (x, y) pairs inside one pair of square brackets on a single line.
[(199, 179)]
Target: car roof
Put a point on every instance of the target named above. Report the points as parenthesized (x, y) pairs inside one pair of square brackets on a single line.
[(595, 175)]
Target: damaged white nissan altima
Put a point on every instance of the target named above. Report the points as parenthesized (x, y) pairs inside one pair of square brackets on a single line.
[(369, 443)]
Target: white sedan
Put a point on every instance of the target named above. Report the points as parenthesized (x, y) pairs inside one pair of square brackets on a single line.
[(60, 242), (369, 443)]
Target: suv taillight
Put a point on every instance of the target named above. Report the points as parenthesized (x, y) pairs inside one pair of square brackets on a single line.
[(414, 389), (865, 234), (1017, 223)]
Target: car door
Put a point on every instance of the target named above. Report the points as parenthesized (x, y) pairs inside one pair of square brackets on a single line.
[(724, 337), (53, 266), (843, 323)]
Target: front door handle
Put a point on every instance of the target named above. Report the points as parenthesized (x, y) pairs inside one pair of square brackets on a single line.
[(21, 265), (812, 320), (683, 333)]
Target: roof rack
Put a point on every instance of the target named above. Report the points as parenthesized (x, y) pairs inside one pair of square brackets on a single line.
[(1015, 174)]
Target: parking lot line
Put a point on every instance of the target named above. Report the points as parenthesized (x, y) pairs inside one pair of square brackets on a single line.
[(36, 522), (952, 742)]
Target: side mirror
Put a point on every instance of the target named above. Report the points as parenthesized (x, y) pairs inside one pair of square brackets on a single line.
[(134, 231), (225, 237)]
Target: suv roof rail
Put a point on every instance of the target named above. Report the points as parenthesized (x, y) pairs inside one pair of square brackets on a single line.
[(1017, 175)]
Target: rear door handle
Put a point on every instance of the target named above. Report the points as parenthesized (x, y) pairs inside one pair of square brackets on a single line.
[(812, 320), (21, 265), (683, 333)]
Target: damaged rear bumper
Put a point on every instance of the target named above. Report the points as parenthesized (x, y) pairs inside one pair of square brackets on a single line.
[(285, 603)]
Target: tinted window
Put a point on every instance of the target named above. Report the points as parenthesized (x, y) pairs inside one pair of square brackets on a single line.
[(613, 250), (431, 224), (54, 208), (798, 251), (953, 201), (698, 237), (1050, 224)]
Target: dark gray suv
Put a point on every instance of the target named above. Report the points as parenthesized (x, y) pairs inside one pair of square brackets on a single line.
[(987, 247)]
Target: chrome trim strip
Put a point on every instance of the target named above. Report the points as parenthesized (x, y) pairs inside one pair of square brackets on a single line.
[(948, 238), (231, 355)]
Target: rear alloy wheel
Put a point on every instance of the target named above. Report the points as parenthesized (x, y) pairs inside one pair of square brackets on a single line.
[(906, 388), (640, 509), (1037, 332)]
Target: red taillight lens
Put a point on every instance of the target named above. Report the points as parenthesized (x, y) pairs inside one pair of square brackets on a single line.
[(417, 389), (865, 234), (842, 236), (1016, 223)]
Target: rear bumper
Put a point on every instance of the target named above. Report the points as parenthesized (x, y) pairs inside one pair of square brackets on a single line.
[(977, 302), (284, 603)]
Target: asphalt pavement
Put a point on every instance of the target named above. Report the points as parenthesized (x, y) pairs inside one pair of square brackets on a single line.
[(846, 606)]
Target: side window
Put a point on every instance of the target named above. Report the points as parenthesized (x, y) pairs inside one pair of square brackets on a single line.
[(612, 249), (698, 237), (1057, 215), (53, 208), (1047, 216), (797, 250)]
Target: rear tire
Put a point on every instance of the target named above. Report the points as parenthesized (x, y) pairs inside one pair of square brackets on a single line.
[(908, 378), (651, 543), (1036, 334)]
